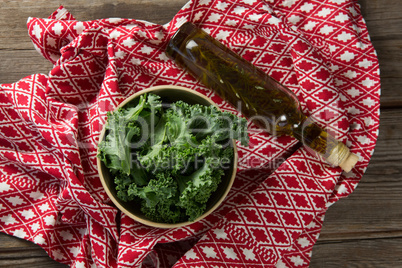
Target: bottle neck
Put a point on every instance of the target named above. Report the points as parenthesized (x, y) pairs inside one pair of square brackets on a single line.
[(319, 140)]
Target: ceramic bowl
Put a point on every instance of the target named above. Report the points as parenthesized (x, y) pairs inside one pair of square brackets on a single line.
[(168, 94)]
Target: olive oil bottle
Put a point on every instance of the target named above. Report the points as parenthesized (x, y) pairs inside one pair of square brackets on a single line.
[(259, 97)]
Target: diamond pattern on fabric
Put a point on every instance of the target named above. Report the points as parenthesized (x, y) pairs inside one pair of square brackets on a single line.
[(50, 123)]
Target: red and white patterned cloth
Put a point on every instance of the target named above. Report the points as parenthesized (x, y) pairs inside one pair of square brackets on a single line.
[(50, 191)]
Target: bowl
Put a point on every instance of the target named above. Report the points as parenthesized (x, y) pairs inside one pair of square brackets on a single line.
[(168, 94)]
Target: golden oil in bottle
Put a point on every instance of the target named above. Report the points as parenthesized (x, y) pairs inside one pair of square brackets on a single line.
[(259, 97)]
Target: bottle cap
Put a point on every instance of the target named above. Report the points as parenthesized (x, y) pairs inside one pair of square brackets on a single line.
[(349, 162), (341, 156)]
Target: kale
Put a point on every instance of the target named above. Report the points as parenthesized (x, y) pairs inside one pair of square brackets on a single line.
[(169, 159)]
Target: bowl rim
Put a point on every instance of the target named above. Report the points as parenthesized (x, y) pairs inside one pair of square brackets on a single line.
[(117, 203)]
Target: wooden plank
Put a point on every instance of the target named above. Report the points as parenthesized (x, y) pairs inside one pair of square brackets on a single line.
[(385, 163), (21, 253), (14, 15), (390, 60), (374, 253), (374, 209), (383, 19), (374, 10), (391, 90), (19, 58), (16, 64)]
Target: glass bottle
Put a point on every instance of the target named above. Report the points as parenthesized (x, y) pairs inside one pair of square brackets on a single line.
[(259, 97)]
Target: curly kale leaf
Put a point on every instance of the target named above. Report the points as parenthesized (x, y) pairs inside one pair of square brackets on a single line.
[(203, 121), (159, 199), (123, 132), (169, 160), (196, 187)]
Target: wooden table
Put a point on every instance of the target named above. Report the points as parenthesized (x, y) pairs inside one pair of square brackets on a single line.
[(363, 230)]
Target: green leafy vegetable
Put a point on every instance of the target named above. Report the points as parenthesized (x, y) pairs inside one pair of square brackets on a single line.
[(169, 159)]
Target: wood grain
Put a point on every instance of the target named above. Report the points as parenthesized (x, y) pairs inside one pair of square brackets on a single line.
[(384, 21), (20, 253), (374, 253), (363, 230)]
